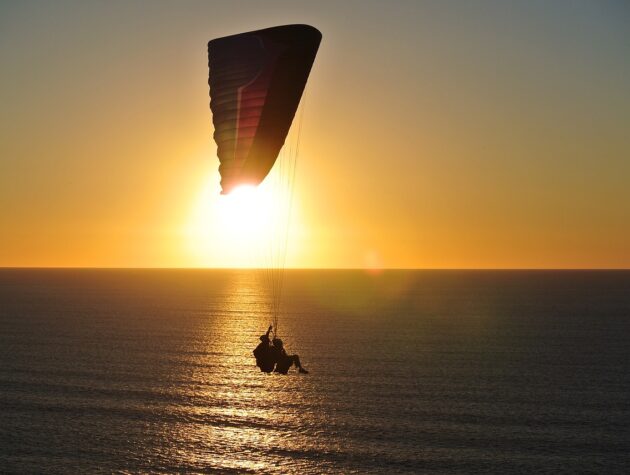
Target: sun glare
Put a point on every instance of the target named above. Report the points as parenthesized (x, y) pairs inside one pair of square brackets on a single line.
[(238, 229), (245, 210)]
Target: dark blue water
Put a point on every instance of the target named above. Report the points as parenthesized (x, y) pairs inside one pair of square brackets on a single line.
[(411, 372)]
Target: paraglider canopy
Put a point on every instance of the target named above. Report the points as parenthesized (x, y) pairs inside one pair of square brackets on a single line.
[(256, 82)]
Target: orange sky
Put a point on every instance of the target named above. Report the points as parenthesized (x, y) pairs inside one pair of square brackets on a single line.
[(436, 135)]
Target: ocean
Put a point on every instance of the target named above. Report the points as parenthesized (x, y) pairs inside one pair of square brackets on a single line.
[(151, 371)]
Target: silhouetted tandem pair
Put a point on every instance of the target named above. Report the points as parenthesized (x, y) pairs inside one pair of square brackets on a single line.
[(271, 356)]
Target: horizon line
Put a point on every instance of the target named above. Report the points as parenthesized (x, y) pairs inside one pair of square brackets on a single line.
[(365, 269)]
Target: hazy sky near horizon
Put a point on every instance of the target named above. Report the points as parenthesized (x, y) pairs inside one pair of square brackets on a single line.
[(485, 134)]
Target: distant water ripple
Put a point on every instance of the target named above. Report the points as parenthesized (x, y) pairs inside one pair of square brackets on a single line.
[(136, 371)]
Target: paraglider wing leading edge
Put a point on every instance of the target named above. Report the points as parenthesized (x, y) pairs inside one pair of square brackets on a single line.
[(256, 81)]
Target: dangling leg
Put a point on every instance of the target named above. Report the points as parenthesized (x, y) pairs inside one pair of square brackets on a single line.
[(298, 365)]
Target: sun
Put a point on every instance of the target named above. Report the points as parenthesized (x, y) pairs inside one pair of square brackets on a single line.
[(246, 228), (247, 209)]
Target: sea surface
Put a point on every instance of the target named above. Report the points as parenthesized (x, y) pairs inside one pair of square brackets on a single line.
[(151, 371)]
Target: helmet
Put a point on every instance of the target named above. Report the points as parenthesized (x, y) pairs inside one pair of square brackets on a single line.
[(264, 338), (277, 342)]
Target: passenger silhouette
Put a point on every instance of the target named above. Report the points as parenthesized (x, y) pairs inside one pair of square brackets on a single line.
[(264, 354), (284, 361)]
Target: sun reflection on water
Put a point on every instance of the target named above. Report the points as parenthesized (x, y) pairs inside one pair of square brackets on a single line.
[(239, 416)]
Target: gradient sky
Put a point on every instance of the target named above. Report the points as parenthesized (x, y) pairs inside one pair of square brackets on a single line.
[(485, 134)]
